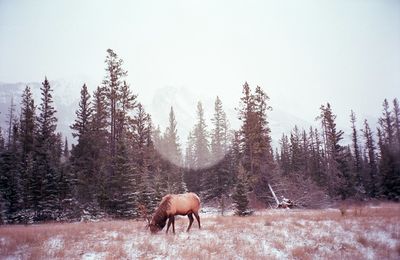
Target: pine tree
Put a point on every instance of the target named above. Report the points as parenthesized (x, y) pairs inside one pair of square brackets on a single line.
[(151, 188), (172, 153), (112, 84), (10, 179), (11, 118), (143, 148), (2, 141), (396, 117), (46, 158), (295, 151), (285, 154), (248, 117), (316, 170), (170, 147), (357, 168), (337, 171), (389, 165), (124, 184), (3, 209), (386, 123), (66, 149), (27, 141), (255, 139), (371, 171), (305, 151), (83, 179), (219, 136), (83, 115), (264, 144), (160, 179), (27, 122), (113, 103), (219, 178), (189, 154), (201, 145), (240, 198), (125, 105)]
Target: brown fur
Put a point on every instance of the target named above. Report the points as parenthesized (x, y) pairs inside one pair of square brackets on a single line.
[(172, 205)]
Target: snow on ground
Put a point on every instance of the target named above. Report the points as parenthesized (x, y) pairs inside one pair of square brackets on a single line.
[(55, 244), (212, 211), (270, 234), (93, 256)]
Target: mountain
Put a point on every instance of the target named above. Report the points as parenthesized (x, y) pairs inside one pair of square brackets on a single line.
[(184, 101), (66, 99)]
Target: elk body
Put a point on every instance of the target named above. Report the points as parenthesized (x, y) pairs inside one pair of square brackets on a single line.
[(172, 205)]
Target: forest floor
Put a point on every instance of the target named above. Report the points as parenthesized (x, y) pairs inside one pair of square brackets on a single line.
[(348, 232)]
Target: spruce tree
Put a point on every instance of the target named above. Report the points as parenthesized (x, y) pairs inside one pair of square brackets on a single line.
[(112, 83), (317, 169), (285, 154), (389, 154), (27, 122), (160, 179), (335, 157), (219, 135), (296, 160), (219, 178), (396, 117), (83, 178), (118, 103), (189, 154), (172, 153), (10, 121), (27, 129), (125, 185), (201, 144), (46, 168), (386, 124), (357, 166), (126, 104), (371, 172), (2, 141), (255, 139), (66, 149), (240, 198), (264, 143), (3, 209), (98, 152), (10, 178), (143, 149)]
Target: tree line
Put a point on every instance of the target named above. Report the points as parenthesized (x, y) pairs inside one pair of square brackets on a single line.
[(122, 165)]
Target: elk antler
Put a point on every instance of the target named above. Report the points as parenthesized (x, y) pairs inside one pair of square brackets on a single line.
[(143, 213), (148, 222)]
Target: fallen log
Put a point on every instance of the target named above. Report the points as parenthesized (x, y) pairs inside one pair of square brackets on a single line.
[(284, 204), (273, 194)]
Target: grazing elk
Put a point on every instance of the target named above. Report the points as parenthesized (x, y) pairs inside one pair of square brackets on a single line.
[(172, 205)]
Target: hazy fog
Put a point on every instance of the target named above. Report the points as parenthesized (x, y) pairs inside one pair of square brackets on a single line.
[(303, 53)]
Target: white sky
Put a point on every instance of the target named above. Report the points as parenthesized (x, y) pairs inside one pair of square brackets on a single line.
[(304, 53)]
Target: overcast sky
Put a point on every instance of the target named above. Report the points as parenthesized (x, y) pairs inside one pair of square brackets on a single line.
[(303, 53)]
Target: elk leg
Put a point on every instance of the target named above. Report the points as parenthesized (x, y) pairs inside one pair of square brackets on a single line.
[(190, 216), (169, 224), (173, 225), (196, 214)]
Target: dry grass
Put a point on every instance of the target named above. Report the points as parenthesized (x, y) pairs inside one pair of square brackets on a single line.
[(361, 232)]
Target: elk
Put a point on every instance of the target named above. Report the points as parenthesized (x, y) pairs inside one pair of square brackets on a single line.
[(172, 205)]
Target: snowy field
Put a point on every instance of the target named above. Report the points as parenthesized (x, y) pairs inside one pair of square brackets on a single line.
[(368, 232)]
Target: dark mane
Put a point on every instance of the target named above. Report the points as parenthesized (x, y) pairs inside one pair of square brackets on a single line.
[(160, 215)]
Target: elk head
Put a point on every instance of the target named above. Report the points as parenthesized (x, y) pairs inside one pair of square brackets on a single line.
[(156, 227)]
